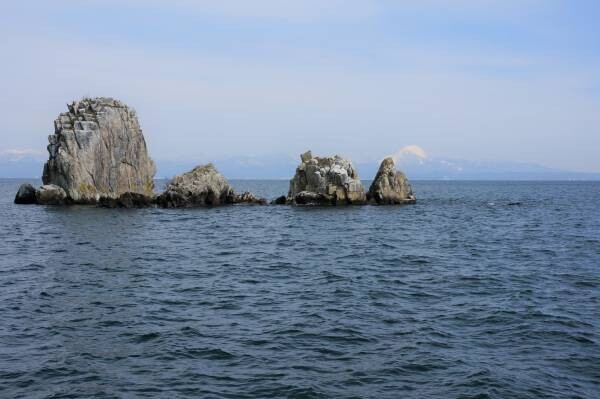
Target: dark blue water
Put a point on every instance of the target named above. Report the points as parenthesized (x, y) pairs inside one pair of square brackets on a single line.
[(460, 296)]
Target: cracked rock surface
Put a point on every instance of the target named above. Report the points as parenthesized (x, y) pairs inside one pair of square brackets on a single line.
[(98, 151), (202, 186), (50, 194), (390, 186), (325, 181)]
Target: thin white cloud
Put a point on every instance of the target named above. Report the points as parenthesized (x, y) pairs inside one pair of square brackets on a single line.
[(289, 10), (318, 9), (18, 154)]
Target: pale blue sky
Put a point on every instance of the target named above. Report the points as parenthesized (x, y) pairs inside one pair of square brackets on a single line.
[(481, 80)]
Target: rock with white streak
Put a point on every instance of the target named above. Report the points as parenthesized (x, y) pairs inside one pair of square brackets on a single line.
[(325, 181)]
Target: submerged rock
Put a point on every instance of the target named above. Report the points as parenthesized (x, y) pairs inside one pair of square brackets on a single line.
[(249, 198), (311, 198), (325, 181), (127, 200), (390, 186), (50, 194), (279, 200), (202, 186), (98, 151), (25, 195)]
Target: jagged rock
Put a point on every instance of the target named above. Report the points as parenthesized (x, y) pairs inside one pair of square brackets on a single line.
[(98, 150), (127, 200), (325, 181), (249, 198), (202, 186), (26, 194), (390, 186), (50, 194), (279, 200)]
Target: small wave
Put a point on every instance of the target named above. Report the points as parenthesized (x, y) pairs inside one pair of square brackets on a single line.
[(146, 337), (191, 332), (203, 353)]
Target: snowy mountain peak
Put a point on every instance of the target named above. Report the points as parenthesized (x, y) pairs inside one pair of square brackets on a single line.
[(410, 154)]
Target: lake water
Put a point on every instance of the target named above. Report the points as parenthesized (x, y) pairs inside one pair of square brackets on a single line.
[(459, 296)]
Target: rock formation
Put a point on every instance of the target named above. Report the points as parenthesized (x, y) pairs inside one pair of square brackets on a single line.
[(202, 186), (26, 194), (325, 181), (98, 151), (50, 194), (390, 186), (98, 155)]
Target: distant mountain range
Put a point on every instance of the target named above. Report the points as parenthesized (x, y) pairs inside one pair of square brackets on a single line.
[(269, 167), (22, 163), (413, 160)]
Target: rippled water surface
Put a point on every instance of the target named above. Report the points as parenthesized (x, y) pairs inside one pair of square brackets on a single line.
[(460, 296)]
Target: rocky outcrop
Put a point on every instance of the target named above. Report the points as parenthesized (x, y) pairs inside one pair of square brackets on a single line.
[(390, 186), (26, 194), (98, 151), (50, 194), (98, 155), (202, 186), (325, 181)]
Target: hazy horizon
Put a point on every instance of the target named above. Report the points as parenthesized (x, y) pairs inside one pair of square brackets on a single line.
[(494, 81), (412, 160)]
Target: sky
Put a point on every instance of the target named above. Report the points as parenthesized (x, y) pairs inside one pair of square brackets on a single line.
[(515, 81)]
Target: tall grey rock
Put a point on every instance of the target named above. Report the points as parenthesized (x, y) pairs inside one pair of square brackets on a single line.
[(202, 186), (98, 150), (325, 181), (390, 186)]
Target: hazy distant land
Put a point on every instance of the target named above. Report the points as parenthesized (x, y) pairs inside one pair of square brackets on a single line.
[(29, 164)]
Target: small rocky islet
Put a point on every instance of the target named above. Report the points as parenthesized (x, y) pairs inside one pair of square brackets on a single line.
[(98, 156)]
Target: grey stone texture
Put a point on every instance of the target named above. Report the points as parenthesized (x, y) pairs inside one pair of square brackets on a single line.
[(390, 186), (325, 181), (98, 151), (202, 186)]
